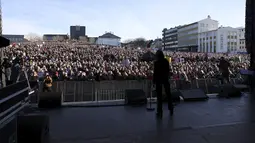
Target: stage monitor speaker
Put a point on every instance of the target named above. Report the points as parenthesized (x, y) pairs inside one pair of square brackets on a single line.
[(135, 97), (50, 99), (229, 90), (174, 93), (33, 128), (193, 95)]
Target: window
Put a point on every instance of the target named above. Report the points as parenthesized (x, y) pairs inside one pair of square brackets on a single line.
[(214, 37), (77, 28), (211, 47)]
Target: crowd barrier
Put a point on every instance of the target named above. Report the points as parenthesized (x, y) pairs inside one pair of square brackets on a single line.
[(92, 91)]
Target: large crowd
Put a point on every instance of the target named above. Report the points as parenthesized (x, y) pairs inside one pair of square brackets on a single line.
[(77, 61)]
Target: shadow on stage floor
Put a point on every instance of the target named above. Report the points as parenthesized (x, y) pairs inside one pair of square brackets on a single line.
[(213, 121)]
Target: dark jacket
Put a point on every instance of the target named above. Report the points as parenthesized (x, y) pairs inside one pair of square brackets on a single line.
[(224, 65), (161, 72)]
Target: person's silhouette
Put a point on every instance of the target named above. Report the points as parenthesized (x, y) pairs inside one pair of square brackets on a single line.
[(161, 77)]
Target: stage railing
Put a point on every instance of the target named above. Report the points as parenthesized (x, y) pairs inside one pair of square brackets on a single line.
[(104, 91)]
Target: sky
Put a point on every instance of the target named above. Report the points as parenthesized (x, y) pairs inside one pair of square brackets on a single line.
[(127, 19)]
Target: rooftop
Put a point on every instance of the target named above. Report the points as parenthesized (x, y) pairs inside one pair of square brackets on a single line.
[(109, 35), (212, 121)]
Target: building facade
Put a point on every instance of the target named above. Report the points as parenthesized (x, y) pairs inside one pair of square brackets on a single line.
[(14, 38), (109, 39), (188, 35), (241, 37), (55, 37), (77, 31), (170, 39), (222, 40)]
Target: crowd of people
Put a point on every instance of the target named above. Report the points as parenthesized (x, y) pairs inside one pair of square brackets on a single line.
[(76, 61)]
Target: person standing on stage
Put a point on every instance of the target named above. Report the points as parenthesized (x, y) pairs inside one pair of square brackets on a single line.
[(224, 69), (161, 76)]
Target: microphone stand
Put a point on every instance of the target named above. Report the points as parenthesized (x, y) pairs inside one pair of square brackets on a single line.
[(150, 108)]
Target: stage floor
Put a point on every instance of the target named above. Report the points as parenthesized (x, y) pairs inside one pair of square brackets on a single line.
[(212, 121)]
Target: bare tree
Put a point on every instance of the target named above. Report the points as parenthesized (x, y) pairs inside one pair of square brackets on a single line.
[(139, 42), (33, 37)]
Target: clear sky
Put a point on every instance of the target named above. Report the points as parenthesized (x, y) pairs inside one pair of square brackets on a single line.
[(125, 18)]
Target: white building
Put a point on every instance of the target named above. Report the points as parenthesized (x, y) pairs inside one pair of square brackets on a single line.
[(109, 39), (188, 35), (224, 39), (241, 37)]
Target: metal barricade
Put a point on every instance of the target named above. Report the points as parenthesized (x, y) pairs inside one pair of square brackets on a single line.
[(202, 84), (91, 91), (115, 90), (212, 85)]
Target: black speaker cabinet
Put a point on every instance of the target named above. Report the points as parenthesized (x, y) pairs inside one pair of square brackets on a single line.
[(135, 97), (33, 128), (50, 99), (229, 90)]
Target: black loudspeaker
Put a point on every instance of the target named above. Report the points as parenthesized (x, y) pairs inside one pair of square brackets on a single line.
[(135, 97), (175, 95), (229, 90), (33, 128), (8, 131), (193, 95), (50, 99)]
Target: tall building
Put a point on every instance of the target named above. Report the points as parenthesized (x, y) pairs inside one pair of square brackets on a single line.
[(77, 31), (221, 40), (170, 39), (186, 37)]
